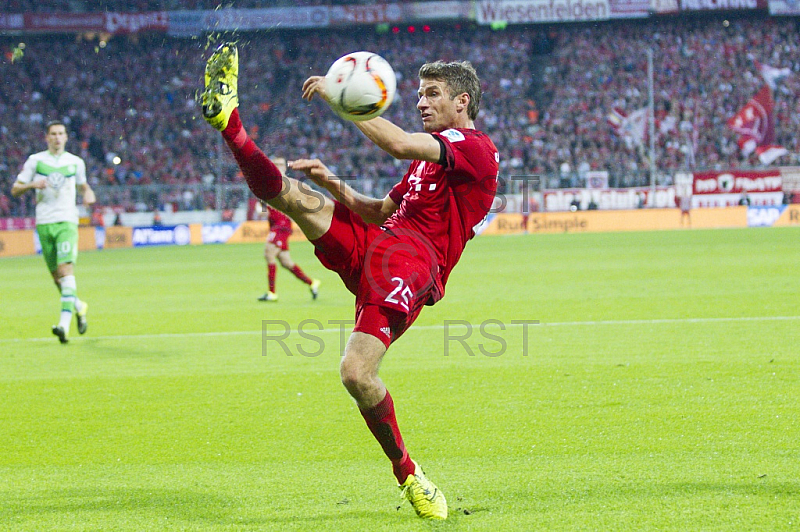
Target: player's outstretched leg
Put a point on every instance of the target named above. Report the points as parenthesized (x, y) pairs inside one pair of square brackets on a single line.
[(220, 100)]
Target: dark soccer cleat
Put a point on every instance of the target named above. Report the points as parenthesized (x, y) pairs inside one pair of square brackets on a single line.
[(62, 335)]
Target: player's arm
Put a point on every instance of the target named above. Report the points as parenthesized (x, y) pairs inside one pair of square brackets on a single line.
[(387, 136), (400, 144), (19, 188), (25, 181), (88, 194), (371, 210)]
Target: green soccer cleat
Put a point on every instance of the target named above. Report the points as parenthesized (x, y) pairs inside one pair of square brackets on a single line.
[(424, 496), (314, 287), (221, 94), (80, 315), (269, 296), (61, 333)]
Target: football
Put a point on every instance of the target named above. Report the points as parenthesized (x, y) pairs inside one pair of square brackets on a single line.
[(360, 86)]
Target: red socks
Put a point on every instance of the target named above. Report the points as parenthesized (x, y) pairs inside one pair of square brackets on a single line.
[(382, 423), (300, 275), (271, 268), (263, 177)]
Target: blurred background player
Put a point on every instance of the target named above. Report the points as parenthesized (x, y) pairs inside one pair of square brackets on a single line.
[(684, 202), (276, 248), (55, 175)]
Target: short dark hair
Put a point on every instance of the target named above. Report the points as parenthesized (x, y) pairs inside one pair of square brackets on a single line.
[(53, 123), (460, 77)]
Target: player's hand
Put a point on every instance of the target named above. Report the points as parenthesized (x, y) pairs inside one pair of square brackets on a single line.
[(315, 170), (314, 85), (40, 184), (89, 197)]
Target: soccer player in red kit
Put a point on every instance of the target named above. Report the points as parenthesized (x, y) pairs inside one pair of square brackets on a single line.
[(276, 249), (395, 254)]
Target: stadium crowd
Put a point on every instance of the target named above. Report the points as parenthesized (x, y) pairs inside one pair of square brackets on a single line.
[(132, 113)]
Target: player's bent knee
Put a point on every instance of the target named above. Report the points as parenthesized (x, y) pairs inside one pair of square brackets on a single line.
[(355, 376)]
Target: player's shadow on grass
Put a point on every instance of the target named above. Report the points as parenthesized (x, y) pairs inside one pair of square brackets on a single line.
[(99, 348), (143, 507), (147, 504)]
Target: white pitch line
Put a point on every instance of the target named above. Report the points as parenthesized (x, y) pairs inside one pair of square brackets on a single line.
[(455, 325)]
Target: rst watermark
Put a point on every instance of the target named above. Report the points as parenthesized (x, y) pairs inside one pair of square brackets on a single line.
[(311, 338)]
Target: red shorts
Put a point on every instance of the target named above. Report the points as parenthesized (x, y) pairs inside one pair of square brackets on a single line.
[(279, 238), (390, 278)]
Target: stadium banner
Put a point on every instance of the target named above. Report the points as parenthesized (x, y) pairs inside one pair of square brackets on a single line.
[(136, 22), (764, 216), (16, 243), (725, 189), (665, 7), (608, 199), (108, 22), (118, 237), (218, 233), (65, 22), (187, 23), (791, 178), (251, 231), (177, 235), (533, 11), (258, 230), (597, 179), (394, 13), (789, 216), (17, 224), (87, 238), (365, 14), (722, 5), (438, 10), (266, 18), (603, 221), (12, 22), (784, 7), (629, 8)]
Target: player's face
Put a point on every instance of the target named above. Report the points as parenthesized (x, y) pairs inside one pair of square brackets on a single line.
[(56, 138), (437, 109)]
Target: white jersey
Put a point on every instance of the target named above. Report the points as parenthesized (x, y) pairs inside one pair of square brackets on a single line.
[(56, 202)]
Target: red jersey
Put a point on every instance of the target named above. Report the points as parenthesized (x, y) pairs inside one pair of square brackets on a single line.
[(439, 206), (279, 221)]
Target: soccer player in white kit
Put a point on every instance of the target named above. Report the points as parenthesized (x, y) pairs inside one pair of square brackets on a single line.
[(55, 175)]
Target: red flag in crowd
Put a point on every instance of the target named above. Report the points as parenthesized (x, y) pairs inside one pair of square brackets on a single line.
[(755, 124)]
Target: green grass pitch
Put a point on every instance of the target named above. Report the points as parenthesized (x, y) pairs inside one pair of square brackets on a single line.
[(659, 391)]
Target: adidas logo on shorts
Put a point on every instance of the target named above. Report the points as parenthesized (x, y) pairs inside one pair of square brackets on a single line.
[(387, 331)]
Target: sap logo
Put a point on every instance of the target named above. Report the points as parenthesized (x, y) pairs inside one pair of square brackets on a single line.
[(217, 233), (763, 216)]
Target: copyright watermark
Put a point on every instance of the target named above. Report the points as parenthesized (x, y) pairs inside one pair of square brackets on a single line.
[(311, 338)]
